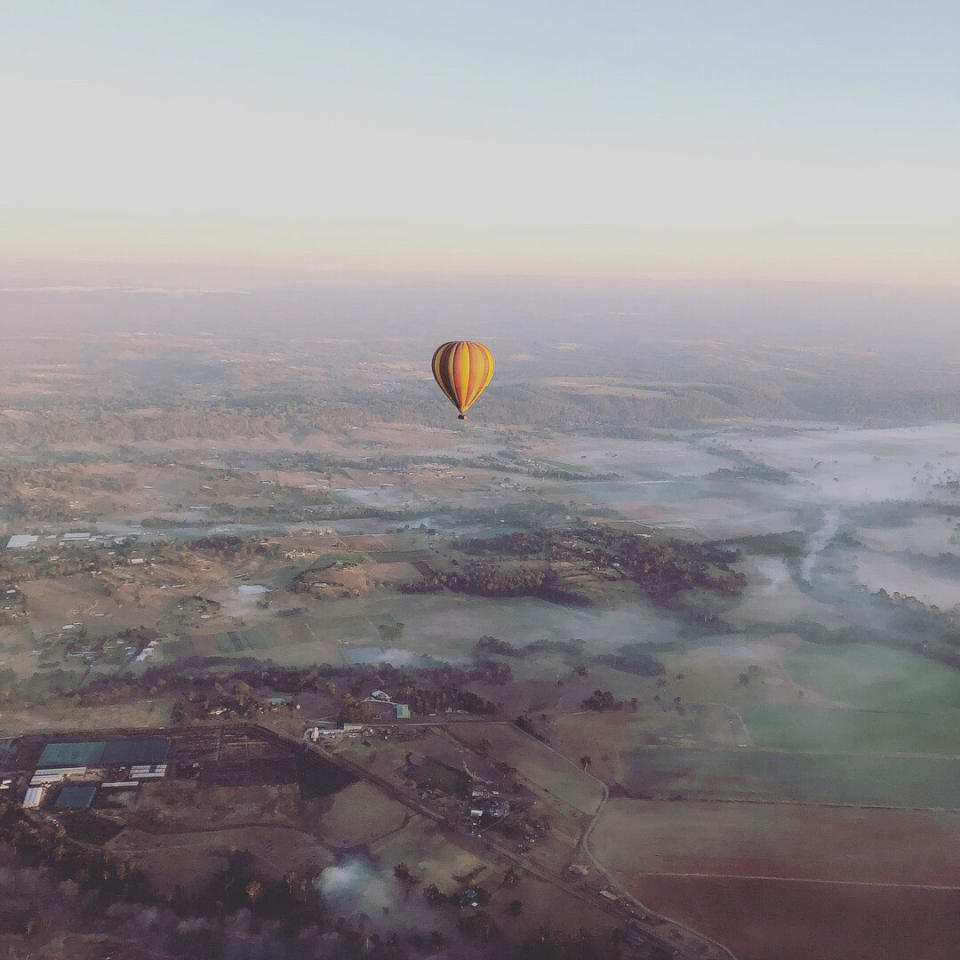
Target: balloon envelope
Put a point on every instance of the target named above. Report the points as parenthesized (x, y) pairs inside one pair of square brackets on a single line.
[(463, 369)]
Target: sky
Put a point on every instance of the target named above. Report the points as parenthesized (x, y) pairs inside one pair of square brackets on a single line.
[(723, 139)]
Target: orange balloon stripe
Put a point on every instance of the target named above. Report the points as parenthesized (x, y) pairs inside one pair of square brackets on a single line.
[(440, 370)]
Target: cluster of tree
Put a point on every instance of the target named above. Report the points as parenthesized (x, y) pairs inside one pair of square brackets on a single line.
[(56, 885), (204, 684), (495, 580), (946, 564), (601, 701), (525, 724), (661, 568), (632, 658), (224, 545), (896, 620), (491, 671), (791, 544), (491, 645), (755, 470)]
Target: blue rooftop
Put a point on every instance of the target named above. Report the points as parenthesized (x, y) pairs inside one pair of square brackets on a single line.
[(94, 753), (75, 797)]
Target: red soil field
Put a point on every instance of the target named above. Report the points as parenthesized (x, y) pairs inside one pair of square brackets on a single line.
[(789, 920), (789, 882), (780, 840)]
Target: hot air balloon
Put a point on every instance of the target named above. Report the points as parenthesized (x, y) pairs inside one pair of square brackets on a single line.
[(463, 369)]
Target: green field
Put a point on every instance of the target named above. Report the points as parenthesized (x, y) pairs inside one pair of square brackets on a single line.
[(876, 678), (347, 558), (854, 731), (861, 779), (235, 641)]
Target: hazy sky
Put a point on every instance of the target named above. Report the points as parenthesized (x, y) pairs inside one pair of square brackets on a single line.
[(723, 138)]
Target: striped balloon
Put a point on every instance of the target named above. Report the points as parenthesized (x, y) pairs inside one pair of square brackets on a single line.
[(463, 369)]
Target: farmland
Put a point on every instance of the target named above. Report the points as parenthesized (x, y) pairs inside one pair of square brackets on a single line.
[(776, 776), (713, 653), (745, 874)]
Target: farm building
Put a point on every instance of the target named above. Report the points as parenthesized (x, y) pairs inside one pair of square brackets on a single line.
[(55, 775), (371, 711), (149, 771), (34, 796), (78, 797), (103, 753), (20, 540)]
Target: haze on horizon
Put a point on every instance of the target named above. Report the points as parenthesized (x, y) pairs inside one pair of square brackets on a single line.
[(764, 142)]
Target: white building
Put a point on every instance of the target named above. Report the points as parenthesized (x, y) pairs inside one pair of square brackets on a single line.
[(20, 540), (34, 796)]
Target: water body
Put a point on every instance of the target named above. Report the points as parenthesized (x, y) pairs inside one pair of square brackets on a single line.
[(392, 655)]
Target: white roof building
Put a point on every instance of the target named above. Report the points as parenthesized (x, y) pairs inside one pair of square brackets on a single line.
[(34, 796), (148, 771), (20, 540)]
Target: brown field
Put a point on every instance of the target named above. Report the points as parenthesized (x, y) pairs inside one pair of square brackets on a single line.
[(791, 881), (360, 814), (190, 858), (62, 714), (172, 803), (779, 840)]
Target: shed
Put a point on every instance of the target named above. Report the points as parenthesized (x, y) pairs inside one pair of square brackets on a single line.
[(56, 774), (34, 796), (20, 540), (78, 797), (93, 753)]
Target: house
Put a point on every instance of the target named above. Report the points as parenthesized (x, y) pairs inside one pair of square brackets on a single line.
[(371, 711), (315, 733)]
